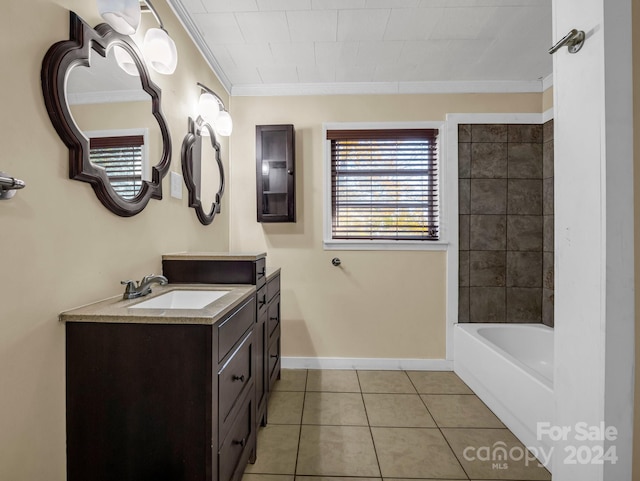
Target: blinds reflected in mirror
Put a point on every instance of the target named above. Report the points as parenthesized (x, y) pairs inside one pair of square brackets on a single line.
[(121, 157)]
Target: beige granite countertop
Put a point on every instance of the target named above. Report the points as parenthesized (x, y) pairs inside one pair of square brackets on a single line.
[(272, 272), (214, 256), (116, 310)]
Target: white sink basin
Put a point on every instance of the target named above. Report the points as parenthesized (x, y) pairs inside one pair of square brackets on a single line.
[(181, 299)]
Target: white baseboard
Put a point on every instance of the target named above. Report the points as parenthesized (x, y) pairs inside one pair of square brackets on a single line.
[(380, 364)]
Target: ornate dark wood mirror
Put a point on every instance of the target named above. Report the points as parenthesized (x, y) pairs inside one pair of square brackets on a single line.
[(203, 170), (106, 110)]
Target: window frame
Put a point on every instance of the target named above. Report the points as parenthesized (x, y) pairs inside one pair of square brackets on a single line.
[(383, 244)]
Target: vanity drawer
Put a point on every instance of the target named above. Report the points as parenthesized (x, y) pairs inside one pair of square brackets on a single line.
[(261, 299), (274, 359), (273, 318), (233, 378), (261, 272), (273, 287), (240, 442), (232, 329)]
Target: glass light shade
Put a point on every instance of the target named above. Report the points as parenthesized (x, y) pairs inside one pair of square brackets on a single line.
[(125, 62), (224, 124), (122, 15), (160, 51), (208, 107)]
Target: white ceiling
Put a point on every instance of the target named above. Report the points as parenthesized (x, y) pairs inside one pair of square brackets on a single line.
[(270, 47)]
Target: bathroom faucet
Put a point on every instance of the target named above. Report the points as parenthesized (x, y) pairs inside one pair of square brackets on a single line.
[(143, 287)]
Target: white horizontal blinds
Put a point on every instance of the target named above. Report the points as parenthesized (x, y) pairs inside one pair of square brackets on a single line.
[(121, 157), (384, 184)]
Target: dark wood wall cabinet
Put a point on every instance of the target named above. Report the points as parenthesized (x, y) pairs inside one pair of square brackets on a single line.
[(214, 268), (275, 173), (154, 401)]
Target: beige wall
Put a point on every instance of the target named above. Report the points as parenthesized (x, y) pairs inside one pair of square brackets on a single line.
[(547, 99), (59, 246), (378, 304)]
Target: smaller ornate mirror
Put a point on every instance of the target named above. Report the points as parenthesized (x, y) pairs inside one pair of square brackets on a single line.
[(110, 120), (203, 170)]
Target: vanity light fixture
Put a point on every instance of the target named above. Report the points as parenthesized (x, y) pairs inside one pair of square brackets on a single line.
[(125, 61), (122, 15), (211, 110), (158, 48)]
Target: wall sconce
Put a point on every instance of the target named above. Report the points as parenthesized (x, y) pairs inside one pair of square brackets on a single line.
[(122, 15), (158, 48), (211, 110)]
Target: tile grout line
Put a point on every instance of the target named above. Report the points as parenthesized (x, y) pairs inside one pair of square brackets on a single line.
[(506, 238), (438, 427), (304, 397), (373, 442)]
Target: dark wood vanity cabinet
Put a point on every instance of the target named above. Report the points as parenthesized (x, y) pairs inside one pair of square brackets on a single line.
[(275, 173), (172, 402), (273, 329), (241, 269)]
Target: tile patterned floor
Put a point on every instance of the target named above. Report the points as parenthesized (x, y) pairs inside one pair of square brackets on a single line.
[(381, 425)]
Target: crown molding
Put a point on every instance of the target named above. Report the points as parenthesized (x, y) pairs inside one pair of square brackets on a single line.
[(364, 88), (196, 37)]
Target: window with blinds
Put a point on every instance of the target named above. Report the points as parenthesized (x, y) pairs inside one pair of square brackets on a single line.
[(384, 184), (121, 157)]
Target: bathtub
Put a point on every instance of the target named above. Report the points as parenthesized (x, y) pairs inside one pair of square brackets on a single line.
[(510, 367)]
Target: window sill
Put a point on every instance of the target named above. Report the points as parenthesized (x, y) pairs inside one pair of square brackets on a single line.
[(356, 245)]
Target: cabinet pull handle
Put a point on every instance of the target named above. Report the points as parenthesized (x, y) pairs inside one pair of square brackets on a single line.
[(237, 378), (273, 318), (262, 272), (263, 301), (274, 356), (242, 442)]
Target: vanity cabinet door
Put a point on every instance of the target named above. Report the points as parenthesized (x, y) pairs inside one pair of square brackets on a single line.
[(274, 317), (262, 379), (235, 379), (275, 173), (273, 330), (274, 359), (240, 443), (139, 402)]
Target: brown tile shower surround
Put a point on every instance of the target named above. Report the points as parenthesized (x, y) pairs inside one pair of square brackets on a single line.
[(378, 425), (505, 176)]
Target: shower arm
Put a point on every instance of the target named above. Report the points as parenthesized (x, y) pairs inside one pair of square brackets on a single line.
[(573, 40)]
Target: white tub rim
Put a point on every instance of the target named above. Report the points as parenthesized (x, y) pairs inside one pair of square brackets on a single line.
[(474, 327)]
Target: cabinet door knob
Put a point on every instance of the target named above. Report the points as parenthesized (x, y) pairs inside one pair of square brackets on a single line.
[(237, 378), (290, 171)]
